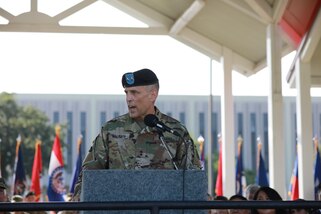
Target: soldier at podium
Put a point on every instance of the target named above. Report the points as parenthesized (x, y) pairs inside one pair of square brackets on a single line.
[(129, 142)]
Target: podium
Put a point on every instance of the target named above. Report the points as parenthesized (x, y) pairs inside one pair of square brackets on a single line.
[(144, 185)]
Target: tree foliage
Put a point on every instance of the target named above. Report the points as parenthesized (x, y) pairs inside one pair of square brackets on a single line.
[(30, 124)]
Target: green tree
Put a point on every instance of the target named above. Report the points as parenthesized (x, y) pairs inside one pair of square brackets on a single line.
[(30, 124)]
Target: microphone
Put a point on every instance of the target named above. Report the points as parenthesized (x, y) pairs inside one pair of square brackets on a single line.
[(152, 121)]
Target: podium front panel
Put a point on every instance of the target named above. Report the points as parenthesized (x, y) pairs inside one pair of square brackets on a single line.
[(144, 185)]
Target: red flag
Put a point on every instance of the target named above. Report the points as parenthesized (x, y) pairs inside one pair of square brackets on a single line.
[(36, 171), (219, 178), (294, 184)]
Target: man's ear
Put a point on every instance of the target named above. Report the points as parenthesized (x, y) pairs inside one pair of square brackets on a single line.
[(154, 94)]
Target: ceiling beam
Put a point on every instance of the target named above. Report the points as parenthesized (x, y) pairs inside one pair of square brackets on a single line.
[(45, 28), (5, 14), (74, 9), (262, 8), (278, 10), (187, 16), (213, 50), (237, 5), (313, 39), (142, 12)]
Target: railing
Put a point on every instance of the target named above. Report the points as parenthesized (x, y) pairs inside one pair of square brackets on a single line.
[(155, 206)]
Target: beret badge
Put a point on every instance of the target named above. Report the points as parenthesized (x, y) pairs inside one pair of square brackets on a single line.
[(130, 78)]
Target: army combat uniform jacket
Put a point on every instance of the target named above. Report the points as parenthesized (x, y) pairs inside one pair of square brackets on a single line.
[(124, 143)]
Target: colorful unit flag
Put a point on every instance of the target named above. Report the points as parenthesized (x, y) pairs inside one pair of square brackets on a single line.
[(239, 175), (77, 169), (294, 184), (19, 177), (36, 171), (317, 170), (219, 178), (56, 189), (261, 176)]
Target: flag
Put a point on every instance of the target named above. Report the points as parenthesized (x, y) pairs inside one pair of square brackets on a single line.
[(19, 177), (77, 169), (56, 190), (219, 178), (294, 183), (261, 176), (317, 169), (239, 175), (36, 171), (200, 139)]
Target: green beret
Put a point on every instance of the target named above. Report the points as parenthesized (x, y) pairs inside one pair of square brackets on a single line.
[(3, 184), (139, 78)]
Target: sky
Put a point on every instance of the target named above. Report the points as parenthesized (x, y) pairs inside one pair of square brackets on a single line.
[(46, 63)]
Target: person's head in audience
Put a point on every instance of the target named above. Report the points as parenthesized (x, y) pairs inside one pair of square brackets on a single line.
[(265, 193), (30, 197), (17, 199), (250, 191), (238, 211), (300, 210), (3, 191), (219, 211)]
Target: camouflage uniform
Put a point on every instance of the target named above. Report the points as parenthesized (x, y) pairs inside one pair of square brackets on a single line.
[(125, 144)]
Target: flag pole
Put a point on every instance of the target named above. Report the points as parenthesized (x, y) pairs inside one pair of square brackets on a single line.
[(210, 137)]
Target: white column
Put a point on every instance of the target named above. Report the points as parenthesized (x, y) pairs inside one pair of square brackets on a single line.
[(227, 112), (210, 137), (304, 130), (275, 112)]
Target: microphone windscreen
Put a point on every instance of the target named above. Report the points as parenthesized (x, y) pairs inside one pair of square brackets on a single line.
[(150, 120)]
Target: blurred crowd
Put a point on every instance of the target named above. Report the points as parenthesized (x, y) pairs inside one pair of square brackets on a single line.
[(256, 193)]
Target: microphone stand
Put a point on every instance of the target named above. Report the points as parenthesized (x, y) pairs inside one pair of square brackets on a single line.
[(161, 137)]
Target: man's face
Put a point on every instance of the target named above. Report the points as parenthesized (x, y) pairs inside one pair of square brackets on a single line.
[(140, 101), (30, 198)]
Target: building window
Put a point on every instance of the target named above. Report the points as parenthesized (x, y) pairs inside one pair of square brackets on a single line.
[(182, 117), (253, 138), (83, 125), (56, 117), (202, 123), (69, 141), (266, 138), (116, 114), (240, 124), (102, 118), (215, 131)]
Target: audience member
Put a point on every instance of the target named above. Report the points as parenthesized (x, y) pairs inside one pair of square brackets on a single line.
[(3, 191), (219, 211), (267, 194), (238, 211), (30, 197), (301, 210), (17, 199), (250, 191)]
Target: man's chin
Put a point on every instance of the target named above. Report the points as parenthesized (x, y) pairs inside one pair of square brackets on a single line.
[(133, 115)]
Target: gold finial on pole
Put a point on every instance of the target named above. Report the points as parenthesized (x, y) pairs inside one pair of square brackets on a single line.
[(79, 141), (57, 130), (316, 143)]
